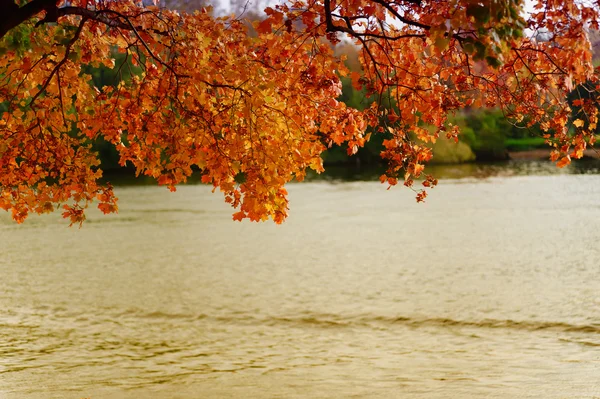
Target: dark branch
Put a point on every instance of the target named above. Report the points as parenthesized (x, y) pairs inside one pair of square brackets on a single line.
[(62, 62), (395, 13), (331, 27), (14, 16), (17, 16)]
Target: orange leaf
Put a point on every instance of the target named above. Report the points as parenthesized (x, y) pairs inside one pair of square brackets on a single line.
[(239, 216), (564, 162), (265, 26)]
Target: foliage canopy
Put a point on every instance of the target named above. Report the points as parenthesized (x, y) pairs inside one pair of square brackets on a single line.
[(254, 110)]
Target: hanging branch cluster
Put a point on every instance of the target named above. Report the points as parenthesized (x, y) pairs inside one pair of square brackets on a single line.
[(254, 111)]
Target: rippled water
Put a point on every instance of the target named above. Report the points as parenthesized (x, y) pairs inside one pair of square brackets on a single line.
[(489, 290)]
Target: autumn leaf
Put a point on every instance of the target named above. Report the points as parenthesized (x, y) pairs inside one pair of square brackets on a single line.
[(265, 26), (239, 216), (564, 161)]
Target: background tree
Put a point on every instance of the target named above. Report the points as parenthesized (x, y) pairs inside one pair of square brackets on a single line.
[(254, 111)]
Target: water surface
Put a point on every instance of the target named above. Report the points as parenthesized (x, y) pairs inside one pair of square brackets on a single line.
[(489, 290)]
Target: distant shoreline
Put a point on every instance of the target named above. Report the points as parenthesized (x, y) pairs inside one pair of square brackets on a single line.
[(544, 154)]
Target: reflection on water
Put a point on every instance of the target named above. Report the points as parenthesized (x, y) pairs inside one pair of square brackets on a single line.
[(489, 290)]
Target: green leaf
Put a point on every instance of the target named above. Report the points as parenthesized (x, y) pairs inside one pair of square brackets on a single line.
[(441, 43), (240, 178), (481, 13), (492, 61)]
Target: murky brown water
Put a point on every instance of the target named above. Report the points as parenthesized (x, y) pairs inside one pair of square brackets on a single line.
[(490, 290)]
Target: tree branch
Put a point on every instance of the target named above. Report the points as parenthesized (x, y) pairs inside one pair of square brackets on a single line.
[(61, 63), (395, 13), (14, 16), (331, 27), (17, 16)]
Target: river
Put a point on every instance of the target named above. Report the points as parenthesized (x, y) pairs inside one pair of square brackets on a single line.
[(491, 289)]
